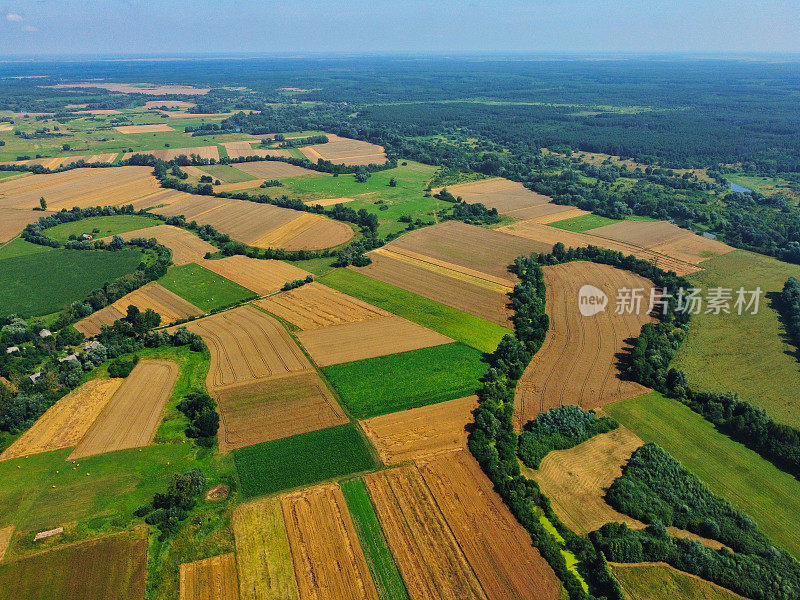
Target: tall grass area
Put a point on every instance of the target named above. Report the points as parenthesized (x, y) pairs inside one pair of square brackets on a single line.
[(386, 384), (100, 227), (388, 582), (468, 329), (747, 354), (655, 582), (770, 496), (203, 288)]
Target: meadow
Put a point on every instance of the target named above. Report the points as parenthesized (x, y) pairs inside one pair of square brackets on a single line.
[(654, 582), (583, 223), (20, 247), (203, 288), (468, 329), (770, 496), (386, 384), (747, 354), (388, 582), (41, 283), (100, 227), (302, 460)]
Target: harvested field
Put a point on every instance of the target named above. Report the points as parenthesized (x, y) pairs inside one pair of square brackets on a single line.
[(329, 563), (5, 539), (154, 128), (13, 221), (504, 195), (210, 579), (367, 339), (186, 247), (80, 187), (306, 232), (274, 409), (328, 201), (245, 148), (131, 417), (262, 552), (247, 346), (315, 305), (138, 88), (262, 276), (67, 421), (432, 564), (341, 150), (169, 104), (421, 432), (484, 250), (578, 362), (60, 161), (170, 306), (113, 566), (497, 547), (478, 297), (206, 152), (545, 237), (548, 213), (273, 169), (656, 581)]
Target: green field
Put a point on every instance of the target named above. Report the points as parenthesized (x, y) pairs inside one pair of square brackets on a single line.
[(763, 185), (229, 174), (583, 223), (746, 354), (387, 384), (45, 282), (302, 460), (100, 227), (317, 266), (656, 582), (463, 327), (19, 247), (109, 567), (770, 496), (203, 288), (388, 582)]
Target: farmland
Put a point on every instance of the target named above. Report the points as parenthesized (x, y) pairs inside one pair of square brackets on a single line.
[(262, 276), (302, 460), (508, 197), (186, 247), (739, 475), (210, 579), (14, 220), (581, 223), (385, 384), (461, 326), (590, 377), (204, 288), (99, 227), (657, 581), (345, 151), (45, 282)]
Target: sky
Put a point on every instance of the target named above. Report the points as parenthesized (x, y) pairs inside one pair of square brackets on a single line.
[(172, 27)]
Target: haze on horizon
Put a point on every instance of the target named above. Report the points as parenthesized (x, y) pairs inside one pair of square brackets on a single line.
[(63, 28)]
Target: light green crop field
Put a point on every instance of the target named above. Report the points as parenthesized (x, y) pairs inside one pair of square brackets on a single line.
[(479, 333), (388, 582), (655, 582), (41, 283), (100, 227), (229, 174), (583, 223), (746, 354), (19, 247), (386, 384), (203, 288), (770, 496)]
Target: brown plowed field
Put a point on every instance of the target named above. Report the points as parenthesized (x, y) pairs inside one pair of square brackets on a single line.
[(5, 539), (548, 213), (664, 238), (367, 339), (503, 194), (170, 306), (207, 152), (315, 305), (154, 128), (262, 276), (432, 564), (421, 432), (131, 417), (262, 552), (306, 232), (14, 220), (67, 421), (545, 237), (341, 150), (275, 408), (578, 362), (499, 549), (186, 247), (328, 561), (210, 579), (274, 169), (247, 345), (477, 248), (473, 299), (79, 187)]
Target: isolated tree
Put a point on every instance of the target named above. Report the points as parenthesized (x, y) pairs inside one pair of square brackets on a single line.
[(43, 203), (393, 182)]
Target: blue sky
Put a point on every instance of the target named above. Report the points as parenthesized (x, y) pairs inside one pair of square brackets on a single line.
[(64, 27)]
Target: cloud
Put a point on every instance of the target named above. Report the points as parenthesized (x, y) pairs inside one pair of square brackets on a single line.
[(29, 28), (14, 17)]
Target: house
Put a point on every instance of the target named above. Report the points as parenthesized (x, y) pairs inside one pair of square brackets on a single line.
[(45, 333), (11, 349), (35, 377), (87, 236), (710, 236), (68, 358), (91, 345)]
